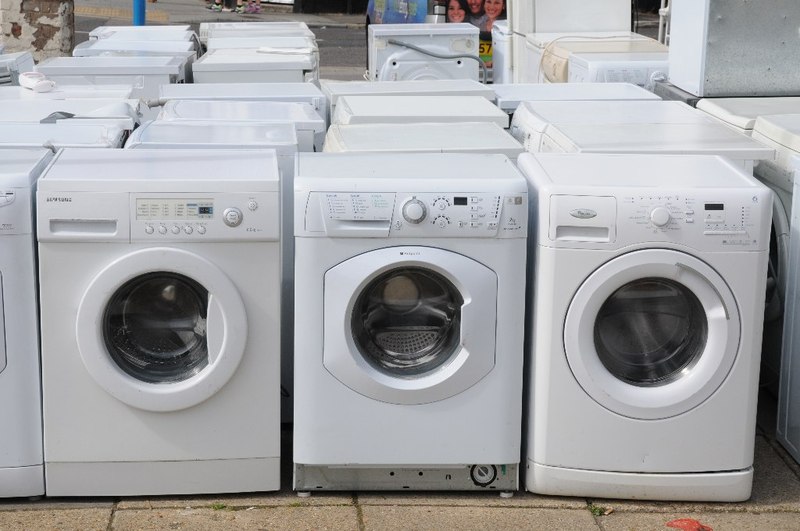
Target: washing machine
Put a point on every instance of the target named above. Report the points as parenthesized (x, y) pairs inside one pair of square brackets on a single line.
[(468, 137), (282, 28), (643, 69), (309, 124), (502, 64), (124, 114), (59, 135), (397, 52), (417, 109), (159, 275), (644, 326), (334, 90), (68, 92), (186, 50), (261, 65), (170, 32), (278, 41), (21, 461), (410, 280), (508, 96), (741, 113), (788, 430)]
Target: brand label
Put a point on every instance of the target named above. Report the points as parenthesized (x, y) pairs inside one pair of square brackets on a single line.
[(583, 213), (59, 200)]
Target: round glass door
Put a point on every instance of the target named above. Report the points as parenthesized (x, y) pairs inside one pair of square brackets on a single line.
[(407, 321), (155, 327), (652, 334)]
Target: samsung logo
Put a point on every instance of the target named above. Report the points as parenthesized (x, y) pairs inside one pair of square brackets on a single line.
[(583, 213), (59, 200)]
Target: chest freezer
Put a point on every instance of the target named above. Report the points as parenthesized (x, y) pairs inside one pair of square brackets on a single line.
[(741, 113), (508, 96), (468, 137), (262, 65), (56, 136), (409, 109), (308, 123), (638, 68)]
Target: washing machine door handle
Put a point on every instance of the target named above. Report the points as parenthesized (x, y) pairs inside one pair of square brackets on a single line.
[(716, 291), (215, 329)]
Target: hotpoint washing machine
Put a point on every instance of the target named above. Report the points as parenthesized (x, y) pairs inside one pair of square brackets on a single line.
[(159, 274), (409, 292), (644, 326), (21, 463)]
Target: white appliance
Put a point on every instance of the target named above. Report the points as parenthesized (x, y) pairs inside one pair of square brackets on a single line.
[(302, 92), (145, 74), (411, 109), (253, 29), (734, 48), (533, 119), (741, 113), (21, 461), (12, 65), (508, 96), (68, 92), (140, 32), (410, 275), (159, 279), (639, 68), (467, 137), (261, 65), (788, 432), (502, 63), (124, 114), (308, 123), (546, 55), (269, 41), (59, 135), (644, 326), (532, 16), (398, 52), (124, 48), (334, 90)]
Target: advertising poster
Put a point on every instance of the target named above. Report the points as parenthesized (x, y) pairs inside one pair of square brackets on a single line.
[(481, 13)]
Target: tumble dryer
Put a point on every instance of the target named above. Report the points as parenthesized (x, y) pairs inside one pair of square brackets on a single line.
[(410, 275), (645, 326), (159, 273), (21, 462)]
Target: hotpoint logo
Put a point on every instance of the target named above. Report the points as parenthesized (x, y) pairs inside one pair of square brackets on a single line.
[(410, 253), (59, 199)]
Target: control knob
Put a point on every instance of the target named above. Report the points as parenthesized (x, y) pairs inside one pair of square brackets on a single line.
[(414, 211), (659, 216)]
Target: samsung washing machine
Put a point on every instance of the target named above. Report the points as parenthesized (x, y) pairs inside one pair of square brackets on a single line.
[(21, 462), (644, 326), (159, 273), (409, 292)]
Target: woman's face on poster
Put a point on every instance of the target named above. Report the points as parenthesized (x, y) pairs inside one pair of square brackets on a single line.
[(475, 6), (493, 8), (455, 13)]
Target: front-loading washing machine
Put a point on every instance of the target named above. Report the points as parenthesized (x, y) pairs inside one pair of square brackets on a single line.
[(644, 326), (21, 464), (409, 292), (159, 273)]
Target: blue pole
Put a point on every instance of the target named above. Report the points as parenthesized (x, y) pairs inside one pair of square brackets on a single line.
[(138, 12)]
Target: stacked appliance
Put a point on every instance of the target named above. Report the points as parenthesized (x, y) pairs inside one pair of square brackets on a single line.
[(419, 109), (159, 282), (68, 92), (21, 459), (409, 286), (509, 96), (210, 30), (643, 379), (643, 69), (12, 65)]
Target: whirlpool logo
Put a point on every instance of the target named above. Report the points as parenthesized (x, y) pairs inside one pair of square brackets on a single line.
[(583, 213), (59, 199)]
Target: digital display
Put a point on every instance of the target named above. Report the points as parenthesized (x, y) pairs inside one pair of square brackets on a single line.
[(715, 206), (205, 210), (460, 201)]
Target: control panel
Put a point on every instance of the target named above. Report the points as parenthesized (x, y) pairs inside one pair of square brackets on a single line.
[(16, 212)]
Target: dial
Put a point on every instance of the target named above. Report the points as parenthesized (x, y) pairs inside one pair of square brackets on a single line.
[(660, 216), (414, 211), (441, 203), (441, 222)]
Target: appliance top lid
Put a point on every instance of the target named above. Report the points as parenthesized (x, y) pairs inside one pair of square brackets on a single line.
[(540, 40), (388, 31), (100, 65), (140, 43), (255, 59), (68, 92), (742, 112), (60, 135), (659, 172), (698, 138), (244, 26), (585, 58), (416, 108), (105, 30), (174, 170), (301, 114), (33, 111), (398, 172), (153, 35), (464, 87), (781, 128), (19, 168), (510, 95), (276, 135), (269, 41), (613, 112), (238, 91), (424, 136)]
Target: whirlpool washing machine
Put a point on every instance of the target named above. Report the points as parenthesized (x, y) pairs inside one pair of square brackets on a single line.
[(159, 278), (21, 464), (645, 326), (409, 292)]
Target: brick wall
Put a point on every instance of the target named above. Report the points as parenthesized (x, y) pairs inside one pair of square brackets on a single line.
[(43, 27)]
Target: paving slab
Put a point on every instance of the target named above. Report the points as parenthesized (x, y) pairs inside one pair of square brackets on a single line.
[(284, 498), (387, 518), (520, 499), (272, 518), (716, 521), (56, 519), (44, 504)]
